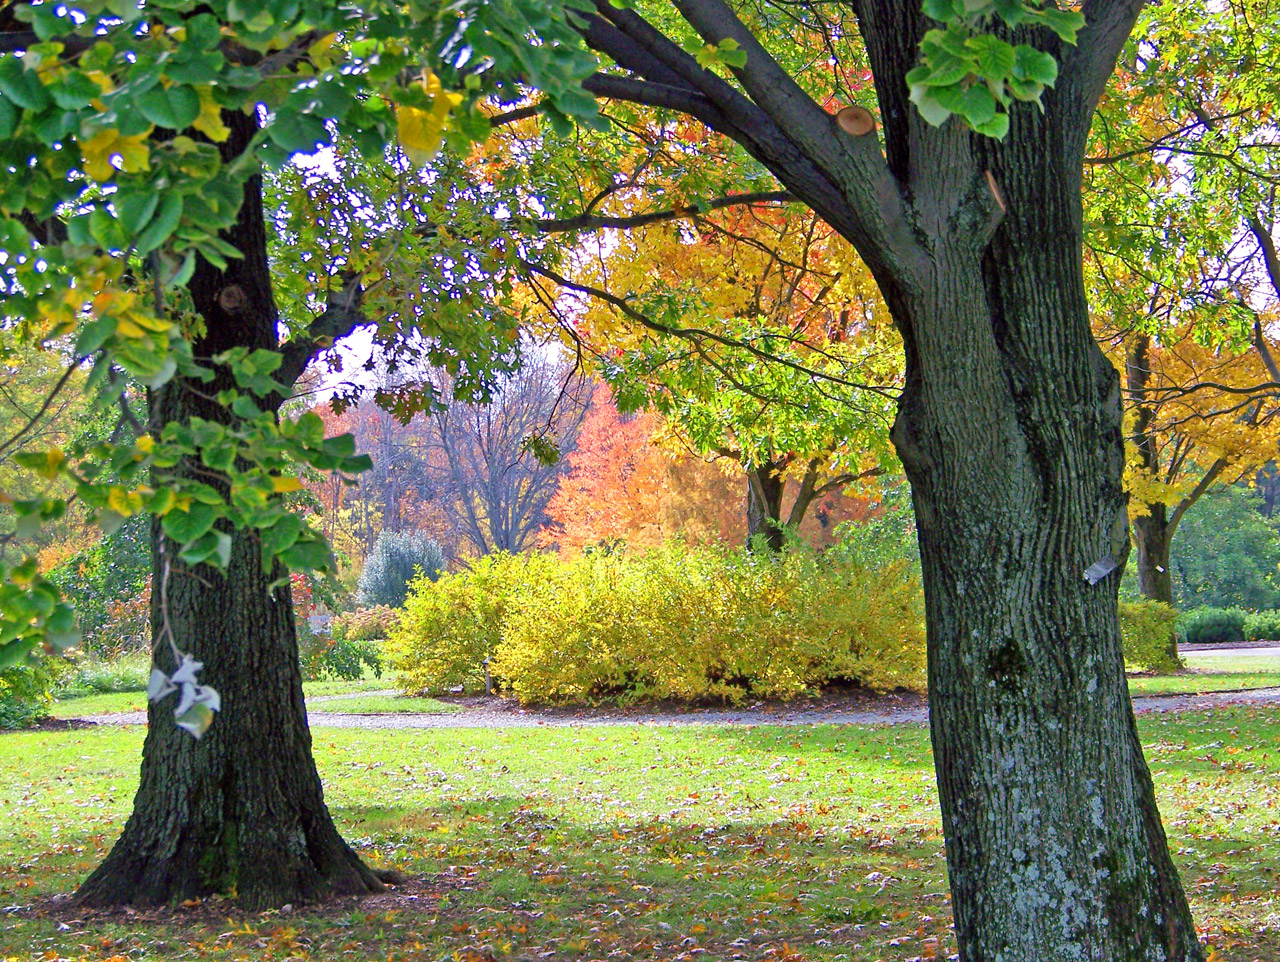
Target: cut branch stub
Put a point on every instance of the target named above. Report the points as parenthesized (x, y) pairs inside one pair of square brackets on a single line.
[(857, 121)]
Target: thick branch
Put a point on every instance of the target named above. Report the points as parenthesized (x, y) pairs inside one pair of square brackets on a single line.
[(341, 316), (1088, 65)]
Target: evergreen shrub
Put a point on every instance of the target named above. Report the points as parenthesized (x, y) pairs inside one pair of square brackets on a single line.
[(1145, 629), (678, 622), (396, 559), (1208, 625)]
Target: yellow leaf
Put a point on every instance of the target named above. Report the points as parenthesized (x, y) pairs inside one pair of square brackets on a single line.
[(122, 502), (53, 461), (209, 122), (282, 485), (318, 52), (422, 131), (102, 147)]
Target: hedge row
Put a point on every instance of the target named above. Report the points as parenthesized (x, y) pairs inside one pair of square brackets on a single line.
[(1208, 625), (677, 622)]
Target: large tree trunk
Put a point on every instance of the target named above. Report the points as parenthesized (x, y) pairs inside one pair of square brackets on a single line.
[(241, 810), (1010, 430)]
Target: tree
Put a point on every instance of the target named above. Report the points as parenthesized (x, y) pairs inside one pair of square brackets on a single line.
[(1009, 427), (622, 488), (816, 414), (1180, 255), (135, 241), (488, 454), (1228, 554)]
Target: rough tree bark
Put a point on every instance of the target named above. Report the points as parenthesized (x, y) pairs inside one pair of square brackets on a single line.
[(1010, 430), (241, 810)]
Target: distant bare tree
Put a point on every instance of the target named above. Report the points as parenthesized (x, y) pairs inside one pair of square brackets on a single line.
[(500, 487)]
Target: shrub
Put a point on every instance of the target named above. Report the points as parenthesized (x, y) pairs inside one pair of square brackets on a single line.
[(677, 622), (1146, 627), (1212, 625), (1262, 626), (94, 675), (448, 627), (26, 690), (330, 658), (396, 559), (364, 624)]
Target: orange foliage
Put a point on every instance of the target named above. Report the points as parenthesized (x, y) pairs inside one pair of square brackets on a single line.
[(624, 487)]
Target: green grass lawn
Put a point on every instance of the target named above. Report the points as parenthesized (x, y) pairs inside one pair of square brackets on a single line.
[(1207, 671), (78, 706), (383, 704), (631, 843)]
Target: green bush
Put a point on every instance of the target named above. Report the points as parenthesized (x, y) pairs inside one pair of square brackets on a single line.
[(323, 657), (677, 622), (364, 624), (1262, 626), (26, 691), (1212, 625), (395, 560), (448, 627), (1146, 627), (95, 676)]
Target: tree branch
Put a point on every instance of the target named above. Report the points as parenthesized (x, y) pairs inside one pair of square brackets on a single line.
[(590, 222), (341, 316)]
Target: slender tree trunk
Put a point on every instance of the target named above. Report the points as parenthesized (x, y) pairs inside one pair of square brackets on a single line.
[(1153, 532), (1153, 537), (241, 810), (765, 487)]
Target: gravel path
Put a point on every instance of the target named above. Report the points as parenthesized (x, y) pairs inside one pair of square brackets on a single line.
[(499, 713)]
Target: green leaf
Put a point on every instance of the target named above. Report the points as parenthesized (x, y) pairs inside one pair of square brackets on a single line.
[(933, 112), (9, 115), (943, 11), (174, 107), (185, 526), (159, 229), (1032, 64), (134, 211), (1065, 23), (307, 556), (994, 57), (997, 127), (22, 86)]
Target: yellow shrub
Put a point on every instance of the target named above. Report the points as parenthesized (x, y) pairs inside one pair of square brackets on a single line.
[(1145, 628), (678, 622)]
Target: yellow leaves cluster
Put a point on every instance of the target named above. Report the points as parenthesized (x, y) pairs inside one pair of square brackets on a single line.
[(102, 150), (422, 131)]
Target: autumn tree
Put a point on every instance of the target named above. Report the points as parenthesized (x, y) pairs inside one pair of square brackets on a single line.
[(622, 487), (1180, 254), (793, 371)]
